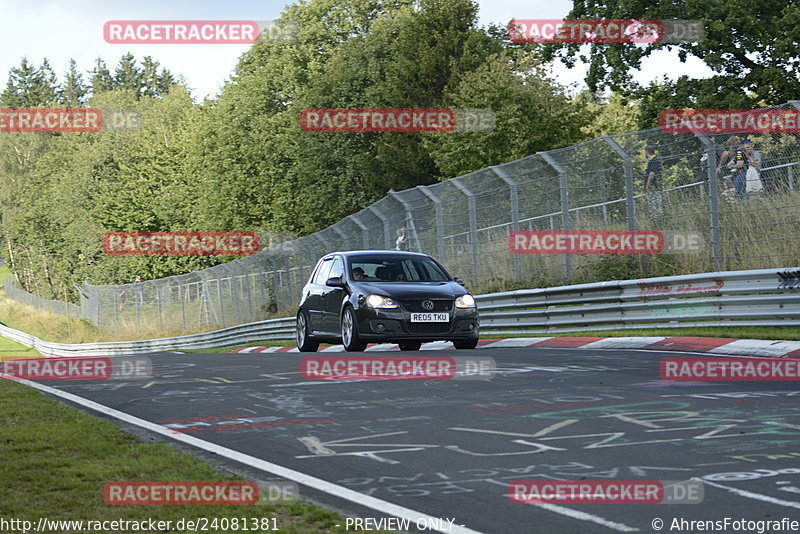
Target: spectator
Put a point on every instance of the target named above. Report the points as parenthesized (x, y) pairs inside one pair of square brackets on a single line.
[(736, 159), (652, 177), (400, 243), (755, 183), (121, 296), (138, 286), (718, 150)]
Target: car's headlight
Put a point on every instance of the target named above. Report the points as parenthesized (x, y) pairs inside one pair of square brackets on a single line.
[(377, 301), (465, 301)]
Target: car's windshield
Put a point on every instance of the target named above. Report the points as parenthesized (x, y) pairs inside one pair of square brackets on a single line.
[(400, 269)]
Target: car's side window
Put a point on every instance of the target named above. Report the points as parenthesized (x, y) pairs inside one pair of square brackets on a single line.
[(322, 274), (337, 269)]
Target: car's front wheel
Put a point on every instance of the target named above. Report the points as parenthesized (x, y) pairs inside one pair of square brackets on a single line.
[(304, 342), (350, 339), (465, 343)]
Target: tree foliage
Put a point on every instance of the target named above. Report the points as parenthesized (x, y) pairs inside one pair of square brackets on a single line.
[(751, 47)]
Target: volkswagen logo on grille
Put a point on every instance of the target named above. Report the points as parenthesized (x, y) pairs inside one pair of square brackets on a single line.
[(427, 304)]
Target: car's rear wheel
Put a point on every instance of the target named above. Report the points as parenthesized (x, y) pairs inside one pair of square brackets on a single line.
[(465, 343), (350, 339), (304, 342), (410, 345)]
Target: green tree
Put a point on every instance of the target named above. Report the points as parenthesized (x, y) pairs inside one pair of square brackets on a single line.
[(73, 92), (751, 47)]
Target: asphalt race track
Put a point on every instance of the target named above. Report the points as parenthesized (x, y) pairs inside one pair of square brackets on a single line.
[(450, 448)]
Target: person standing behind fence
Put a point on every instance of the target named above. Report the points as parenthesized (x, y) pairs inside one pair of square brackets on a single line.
[(138, 286), (400, 243), (717, 149), (736, 159), (652, 177), (755, 182)]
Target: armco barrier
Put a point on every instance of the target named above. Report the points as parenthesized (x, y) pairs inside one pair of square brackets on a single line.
[(271, 329), (764, 297)]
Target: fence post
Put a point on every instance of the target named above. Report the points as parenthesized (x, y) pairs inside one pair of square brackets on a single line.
[(630, 202), (364, 230), (713, 198), (562, 178), (344, 236), (514, 192), (246, 284), (409, 224), (437, 209), (181, 297), (387, 232), (473, 225), (158, 303)]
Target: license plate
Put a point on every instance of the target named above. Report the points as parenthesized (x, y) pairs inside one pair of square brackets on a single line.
[(430, 317)]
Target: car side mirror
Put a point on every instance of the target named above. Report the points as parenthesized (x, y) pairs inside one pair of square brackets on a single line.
[(460, 281), (335, 281)]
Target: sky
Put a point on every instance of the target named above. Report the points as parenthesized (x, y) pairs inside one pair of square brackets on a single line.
[(62, 29)]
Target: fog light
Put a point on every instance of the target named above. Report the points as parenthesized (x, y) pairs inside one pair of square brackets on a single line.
[(471, 326), (380, 327)]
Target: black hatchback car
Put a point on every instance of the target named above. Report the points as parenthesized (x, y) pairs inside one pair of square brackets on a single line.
[(384, 296)]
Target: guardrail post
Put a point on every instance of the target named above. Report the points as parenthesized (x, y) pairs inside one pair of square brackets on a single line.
[(713, 198), (387, 232), (473, 224), (437, 208), (562, 179), (364, 230), (630, 202), (514, 193)]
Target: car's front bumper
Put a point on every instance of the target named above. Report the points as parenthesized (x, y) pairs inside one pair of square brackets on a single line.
[(395, 325)]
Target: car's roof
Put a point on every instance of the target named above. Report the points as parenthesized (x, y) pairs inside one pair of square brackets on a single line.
[(352, 253)]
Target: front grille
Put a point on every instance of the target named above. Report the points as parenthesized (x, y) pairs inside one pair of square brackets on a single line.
[(415, 306), (429, 328)]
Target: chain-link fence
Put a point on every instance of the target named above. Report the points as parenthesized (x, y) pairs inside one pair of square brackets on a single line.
[(465, 223), (60, 307)]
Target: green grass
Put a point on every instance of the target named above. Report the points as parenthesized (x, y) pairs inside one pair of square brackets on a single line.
[(52, 469)]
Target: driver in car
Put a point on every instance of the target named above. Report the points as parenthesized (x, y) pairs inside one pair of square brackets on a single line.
[(358, 273)]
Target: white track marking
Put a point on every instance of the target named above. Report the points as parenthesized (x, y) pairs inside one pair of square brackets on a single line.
[(584, 516), (752, 495), (324, 486)]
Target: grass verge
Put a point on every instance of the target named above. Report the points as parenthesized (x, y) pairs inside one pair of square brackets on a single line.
[(52, 469)]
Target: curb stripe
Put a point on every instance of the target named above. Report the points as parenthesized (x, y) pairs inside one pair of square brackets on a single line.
[(712, 345)]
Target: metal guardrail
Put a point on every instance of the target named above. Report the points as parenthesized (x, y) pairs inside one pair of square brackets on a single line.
[(764, 297), (271, 329)]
